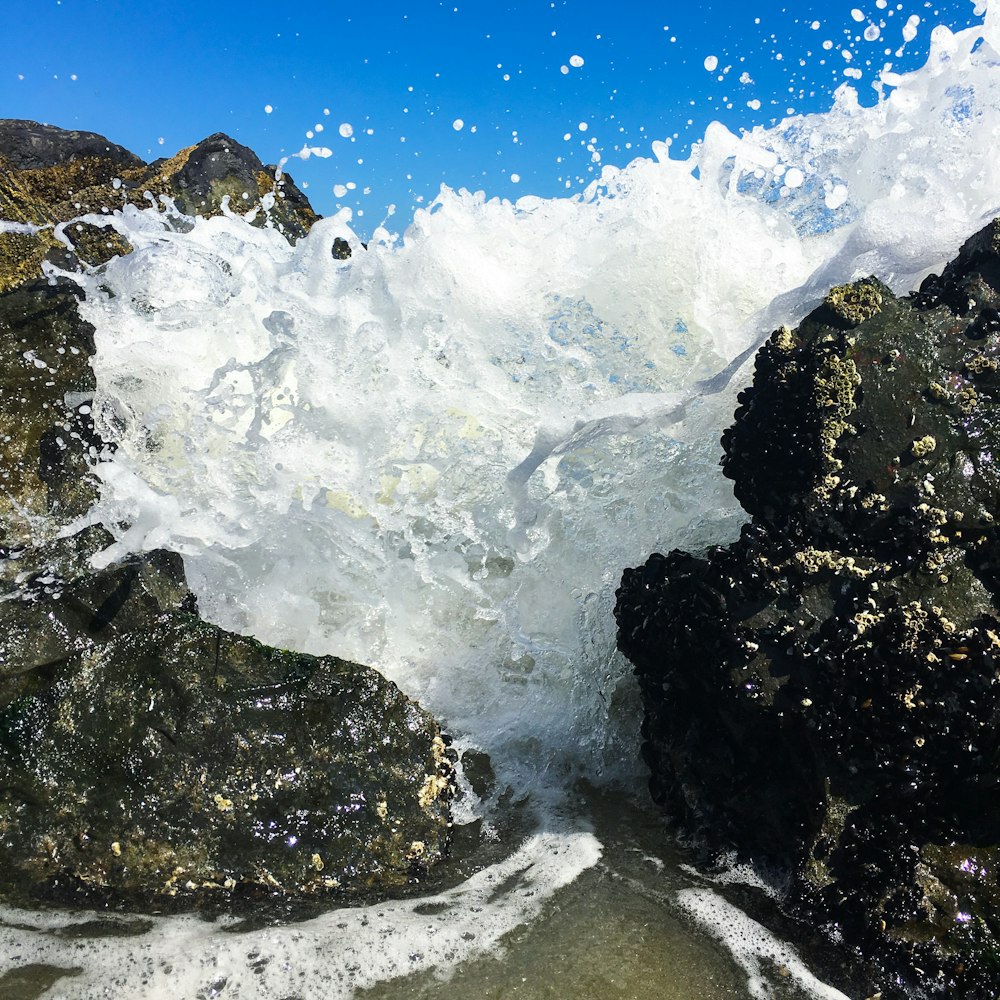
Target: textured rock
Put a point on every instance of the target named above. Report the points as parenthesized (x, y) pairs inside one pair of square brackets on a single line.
[(62, 185), (28, 145), (147, 754), (47, 439), (147, 757), (823, 695)]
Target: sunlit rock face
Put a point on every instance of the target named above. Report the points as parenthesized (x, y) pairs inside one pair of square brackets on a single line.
[(822, 694), (147, 757), (58, 188)]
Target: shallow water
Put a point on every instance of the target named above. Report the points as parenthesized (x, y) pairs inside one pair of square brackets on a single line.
[(624, 927), (621, 930)]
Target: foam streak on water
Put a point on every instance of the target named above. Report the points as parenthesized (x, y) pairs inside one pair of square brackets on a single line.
[(752, 945), (330, 957), (437, 456)]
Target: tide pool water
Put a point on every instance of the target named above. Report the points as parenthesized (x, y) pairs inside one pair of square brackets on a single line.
[(437, 456)]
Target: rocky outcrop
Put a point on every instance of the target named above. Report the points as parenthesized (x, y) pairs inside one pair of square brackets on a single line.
[(27, 145), (147, 757), (55, 182), (822, 696), (147, 754)]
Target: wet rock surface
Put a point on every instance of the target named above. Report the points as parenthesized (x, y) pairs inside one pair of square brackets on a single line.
[(178, 759), (822, 695), (148, 758)]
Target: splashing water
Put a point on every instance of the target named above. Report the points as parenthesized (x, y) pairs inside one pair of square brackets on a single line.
[(437, 456)]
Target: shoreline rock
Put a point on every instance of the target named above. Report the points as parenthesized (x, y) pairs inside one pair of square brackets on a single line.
[(148, 757), (822, 695), (48, 180)]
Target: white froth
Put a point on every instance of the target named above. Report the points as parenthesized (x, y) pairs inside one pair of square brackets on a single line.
[(438, 455), (752, 945), (332, 956), (735, 873)]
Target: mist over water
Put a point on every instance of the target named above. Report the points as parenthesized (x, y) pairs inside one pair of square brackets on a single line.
[(437, 456)]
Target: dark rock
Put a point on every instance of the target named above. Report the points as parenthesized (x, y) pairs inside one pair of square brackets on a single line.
[(28, 145), (822, 695), (145, 755), (219, 167), (176, 759), (47, 439)]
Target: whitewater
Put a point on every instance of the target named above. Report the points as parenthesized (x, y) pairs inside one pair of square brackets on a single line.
[(438, 455)]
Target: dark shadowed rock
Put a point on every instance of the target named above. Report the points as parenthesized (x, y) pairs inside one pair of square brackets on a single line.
[(47, 440), (147, 754), (823, 694)]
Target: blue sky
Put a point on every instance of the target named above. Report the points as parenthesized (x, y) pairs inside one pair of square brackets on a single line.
[(512, 98)]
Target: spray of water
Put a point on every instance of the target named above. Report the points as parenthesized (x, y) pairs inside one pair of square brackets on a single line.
[(437, 456)]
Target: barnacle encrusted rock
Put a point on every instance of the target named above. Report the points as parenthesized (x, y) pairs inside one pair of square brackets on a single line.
[(148, 758), (823, 694)]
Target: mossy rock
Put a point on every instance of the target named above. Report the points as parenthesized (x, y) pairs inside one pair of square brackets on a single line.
[(147, 757), (184, 760)]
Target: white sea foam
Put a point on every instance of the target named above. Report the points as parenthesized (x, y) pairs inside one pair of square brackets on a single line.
[(753, 946), (19, 227), (332, 956), (437, 456)]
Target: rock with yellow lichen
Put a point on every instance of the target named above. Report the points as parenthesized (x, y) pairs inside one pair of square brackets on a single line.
[(824, 694), (148, 758), (60, 191)]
